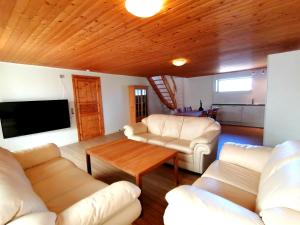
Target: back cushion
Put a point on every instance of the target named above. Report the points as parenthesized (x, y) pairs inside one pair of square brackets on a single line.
[(281, 155), (156, 123), (16, 195), (173, 125), (281, 189), (194, 127)]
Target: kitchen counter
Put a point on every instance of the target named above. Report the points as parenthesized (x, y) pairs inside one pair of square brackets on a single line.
[(240, 104)]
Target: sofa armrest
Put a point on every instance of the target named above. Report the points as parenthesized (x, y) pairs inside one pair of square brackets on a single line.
[(206, 138), (279, 216), (194, 206), (136, 128), (40, 218), (249, 156), (100, 206), (32, 157)]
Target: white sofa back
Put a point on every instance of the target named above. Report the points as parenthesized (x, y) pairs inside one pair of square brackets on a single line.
[(279, 185), (185, 128)]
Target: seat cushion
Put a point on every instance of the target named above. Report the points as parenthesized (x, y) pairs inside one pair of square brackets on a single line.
[(159, 140), (232, 193), (78, 193), (234, 175), (142, 137), (17, 196), (48, 169), (180, 145), (68, 183)]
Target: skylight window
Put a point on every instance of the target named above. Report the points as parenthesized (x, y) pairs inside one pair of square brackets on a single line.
[(234, 84)]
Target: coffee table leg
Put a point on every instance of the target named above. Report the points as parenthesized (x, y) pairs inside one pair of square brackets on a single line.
[(138, 182), (175, 163), (88, 164)]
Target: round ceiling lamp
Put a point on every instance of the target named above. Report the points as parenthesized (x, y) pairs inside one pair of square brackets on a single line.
[(179, 62), (144, 8)]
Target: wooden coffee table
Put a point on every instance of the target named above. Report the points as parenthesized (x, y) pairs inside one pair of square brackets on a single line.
[(132, 157)]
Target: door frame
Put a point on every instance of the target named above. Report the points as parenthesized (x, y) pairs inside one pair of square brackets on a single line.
[(100, 105)]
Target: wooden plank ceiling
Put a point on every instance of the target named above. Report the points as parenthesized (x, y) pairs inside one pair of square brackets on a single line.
[(100, 35)]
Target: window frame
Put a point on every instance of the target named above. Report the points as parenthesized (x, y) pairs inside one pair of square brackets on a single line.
[(217, 80)]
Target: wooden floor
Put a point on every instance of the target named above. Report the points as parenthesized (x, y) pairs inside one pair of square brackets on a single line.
[(159, 182)]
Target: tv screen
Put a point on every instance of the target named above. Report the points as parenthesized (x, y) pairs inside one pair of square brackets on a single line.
[(22, 118)]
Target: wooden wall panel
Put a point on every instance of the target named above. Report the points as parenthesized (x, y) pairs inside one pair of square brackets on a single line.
[(215, 35)]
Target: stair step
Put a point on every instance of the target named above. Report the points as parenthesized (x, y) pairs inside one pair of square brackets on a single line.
[(160, 85)]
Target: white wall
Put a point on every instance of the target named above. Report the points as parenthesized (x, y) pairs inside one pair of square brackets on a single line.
[(198, 88), (258, 93), (282, 116), (203, 88), (24, 82)]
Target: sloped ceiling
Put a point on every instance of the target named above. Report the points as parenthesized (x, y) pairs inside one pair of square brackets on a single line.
[(100, 35)]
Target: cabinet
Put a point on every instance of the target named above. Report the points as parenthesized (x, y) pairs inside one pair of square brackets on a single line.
[(239, 114), (138, 103)]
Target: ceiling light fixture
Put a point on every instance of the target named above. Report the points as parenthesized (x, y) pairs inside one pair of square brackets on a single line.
[(144, 8), (179, 62)]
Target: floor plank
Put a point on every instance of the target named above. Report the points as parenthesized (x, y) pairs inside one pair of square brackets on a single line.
[(160, 181)]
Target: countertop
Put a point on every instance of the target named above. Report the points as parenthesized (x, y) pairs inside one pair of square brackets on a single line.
[(241, 104)]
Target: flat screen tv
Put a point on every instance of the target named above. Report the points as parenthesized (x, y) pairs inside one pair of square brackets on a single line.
[(30, 117)]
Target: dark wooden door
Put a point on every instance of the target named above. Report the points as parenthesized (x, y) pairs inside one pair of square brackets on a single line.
[(88, 105)]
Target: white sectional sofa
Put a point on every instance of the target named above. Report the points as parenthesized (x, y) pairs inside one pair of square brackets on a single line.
[(249, 185), (39, 187), (196, 138)]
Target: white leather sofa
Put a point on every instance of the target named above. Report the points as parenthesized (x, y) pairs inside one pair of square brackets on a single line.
[(196, 138), (38, 187), (249, 185)]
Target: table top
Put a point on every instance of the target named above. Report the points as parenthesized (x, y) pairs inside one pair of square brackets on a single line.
[(134, 158)]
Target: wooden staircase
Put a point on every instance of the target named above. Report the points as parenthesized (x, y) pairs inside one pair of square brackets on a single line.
[(164, 90)]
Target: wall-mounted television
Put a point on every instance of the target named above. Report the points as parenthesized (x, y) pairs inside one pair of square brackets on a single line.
[(30, 117)]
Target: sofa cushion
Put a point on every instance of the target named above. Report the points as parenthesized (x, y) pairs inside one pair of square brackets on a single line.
[(78, 193), (159, 140), (194, 127), (281, 189), (180, 145), (144, 137), (16, 193), (281, 155), (234, 175), (37, 155), (248, 156), (172, 127), (62, 183), (44, 171), (232, 193), (156, 123)]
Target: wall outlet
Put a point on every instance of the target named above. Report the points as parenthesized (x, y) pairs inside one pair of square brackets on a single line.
[(61, 76)]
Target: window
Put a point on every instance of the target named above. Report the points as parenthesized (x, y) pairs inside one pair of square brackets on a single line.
[(234, 84)]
